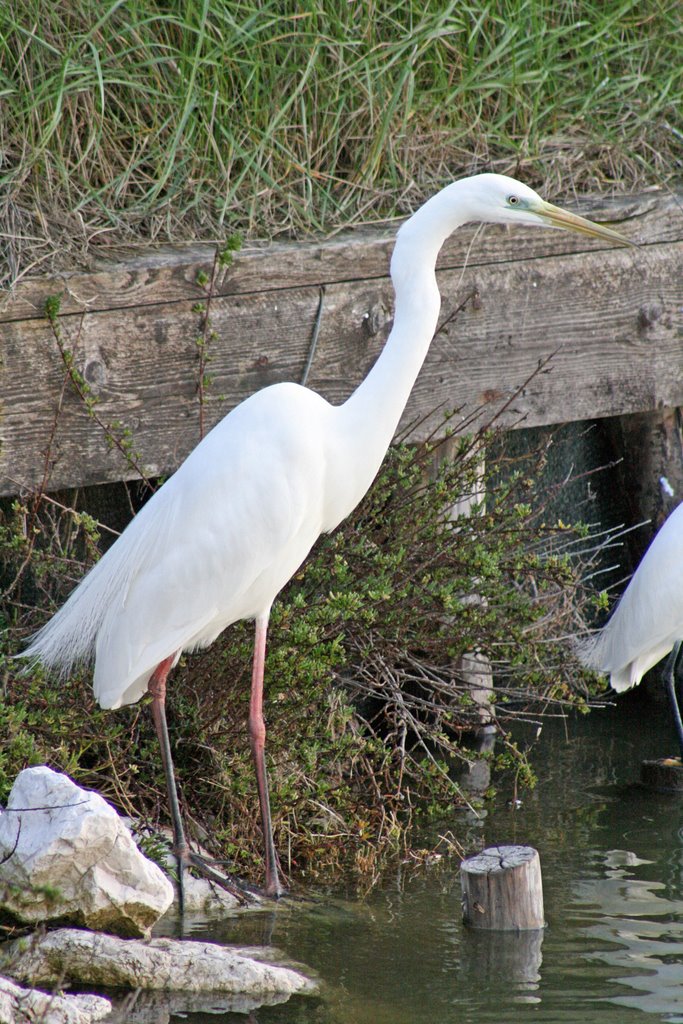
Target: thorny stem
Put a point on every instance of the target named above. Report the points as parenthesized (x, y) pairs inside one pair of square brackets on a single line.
[(80, 385), (203, 344), (84, 392), (30, 535), (473, 297), (222, 259)]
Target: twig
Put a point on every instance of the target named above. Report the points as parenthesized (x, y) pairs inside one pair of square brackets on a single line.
[(120, 441), (222, 259)]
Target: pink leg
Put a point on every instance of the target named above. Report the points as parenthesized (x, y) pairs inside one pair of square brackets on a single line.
[(157, 688), (257, 739)]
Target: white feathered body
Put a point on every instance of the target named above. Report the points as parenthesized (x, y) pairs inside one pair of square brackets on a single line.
[(225, 533), (648, 619), (215, 544)]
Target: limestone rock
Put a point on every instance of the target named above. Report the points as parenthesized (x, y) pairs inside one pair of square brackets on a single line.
[(88, 958), (66, 855), (27, 1006)]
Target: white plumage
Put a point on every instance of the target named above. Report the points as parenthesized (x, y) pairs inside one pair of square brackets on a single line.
[(648, 620), (220, 539), (209, 548)]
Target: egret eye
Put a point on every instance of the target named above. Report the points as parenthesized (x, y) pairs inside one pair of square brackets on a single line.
[(513, 200)]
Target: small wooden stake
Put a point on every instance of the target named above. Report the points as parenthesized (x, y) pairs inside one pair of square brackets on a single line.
[(502, 889), (475, 778)]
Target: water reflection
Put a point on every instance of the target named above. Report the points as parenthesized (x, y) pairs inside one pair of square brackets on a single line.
[(163, 1007), (612, 862), (487, 958), (644, 931)]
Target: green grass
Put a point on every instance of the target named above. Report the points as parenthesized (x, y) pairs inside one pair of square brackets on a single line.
[(140, 120)]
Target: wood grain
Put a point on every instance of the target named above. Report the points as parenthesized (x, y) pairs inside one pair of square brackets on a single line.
[(502, 889), (604, 325), (169, 273)]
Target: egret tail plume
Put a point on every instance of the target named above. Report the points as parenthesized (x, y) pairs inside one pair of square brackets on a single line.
[(603, 652), (70, 637), (646, 622)]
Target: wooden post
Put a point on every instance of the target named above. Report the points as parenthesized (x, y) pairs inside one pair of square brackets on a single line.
[(475, 778), (473, 667), (502, 889)]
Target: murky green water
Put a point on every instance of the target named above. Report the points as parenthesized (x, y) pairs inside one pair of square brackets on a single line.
[(611, 854)]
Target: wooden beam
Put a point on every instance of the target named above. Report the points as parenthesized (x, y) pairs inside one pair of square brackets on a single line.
[(603, 323)]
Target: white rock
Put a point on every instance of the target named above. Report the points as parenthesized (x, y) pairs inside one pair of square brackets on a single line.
[(67, 855), (27, 1006), (88, 958)]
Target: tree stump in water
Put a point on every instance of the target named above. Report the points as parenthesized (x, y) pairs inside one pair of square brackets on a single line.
[(502, 889), (665, 775)]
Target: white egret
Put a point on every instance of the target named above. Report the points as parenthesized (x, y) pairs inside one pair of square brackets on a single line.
[(221, 538), (647, 623)]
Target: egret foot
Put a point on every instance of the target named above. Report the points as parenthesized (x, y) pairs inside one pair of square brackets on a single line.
[(274, 892), (214, 871), (207, 869), (666, 774)]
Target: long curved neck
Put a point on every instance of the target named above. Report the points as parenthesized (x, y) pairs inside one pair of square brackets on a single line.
[(372, 413)]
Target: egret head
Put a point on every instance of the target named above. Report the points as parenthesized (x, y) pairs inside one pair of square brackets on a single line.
[(503, 200)]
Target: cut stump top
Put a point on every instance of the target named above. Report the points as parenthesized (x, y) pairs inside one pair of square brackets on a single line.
[(499, 858)]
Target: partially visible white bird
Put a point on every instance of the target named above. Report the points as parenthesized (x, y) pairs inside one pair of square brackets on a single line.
[(647, 623), (220, 539)]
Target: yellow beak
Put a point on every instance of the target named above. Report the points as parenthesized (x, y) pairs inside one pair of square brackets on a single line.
[(558, 218)]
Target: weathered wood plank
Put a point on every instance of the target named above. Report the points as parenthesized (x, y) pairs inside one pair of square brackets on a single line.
[(170, 274), (142, 367), (610, 316)]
